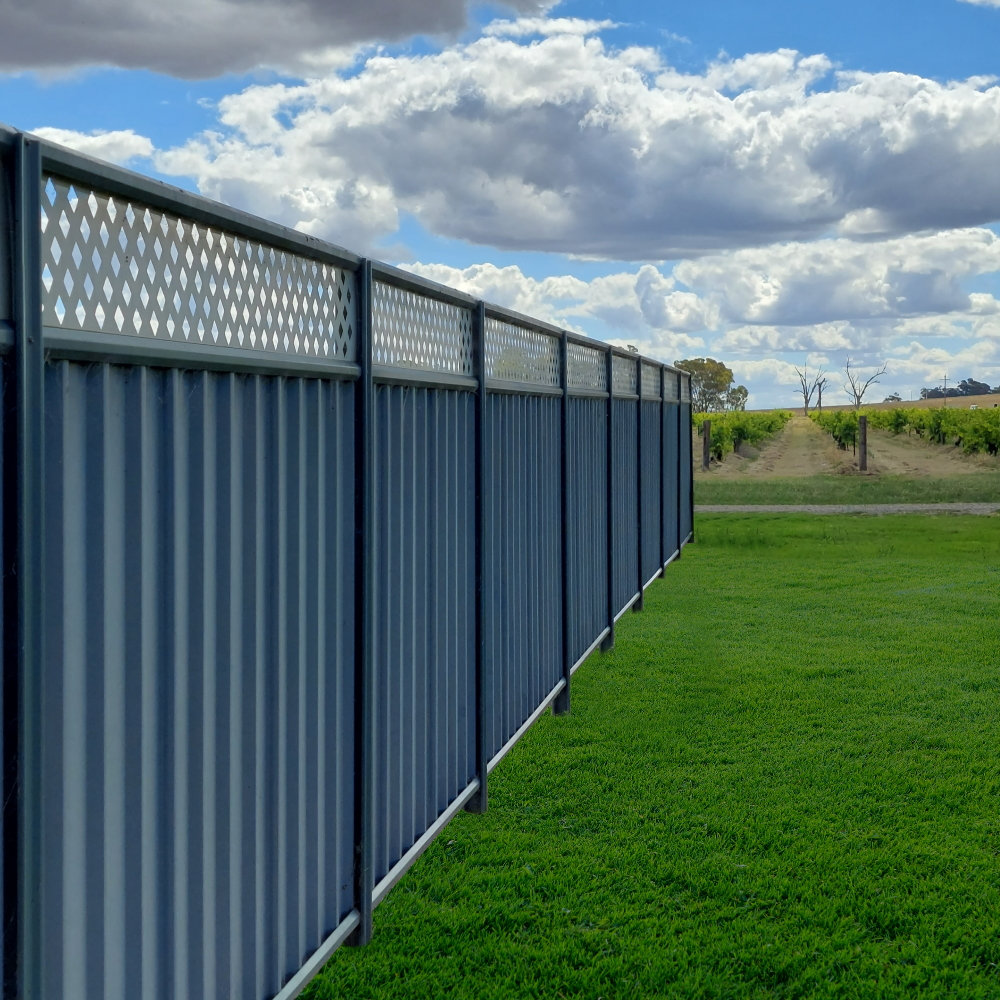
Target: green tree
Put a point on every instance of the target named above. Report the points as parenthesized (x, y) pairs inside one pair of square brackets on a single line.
[(736, 398), (712, 389)]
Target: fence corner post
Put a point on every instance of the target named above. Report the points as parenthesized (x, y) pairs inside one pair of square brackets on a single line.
[(561, 705), (22, 861), (480, 799)]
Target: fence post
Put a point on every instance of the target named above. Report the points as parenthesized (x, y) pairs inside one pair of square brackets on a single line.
[(364, 675), (22, 705), (683, 427), (638, 485), (479, 801), (690, 496), (663, 471), (863, 444), (706, 444), (561, 705), (609, 640)]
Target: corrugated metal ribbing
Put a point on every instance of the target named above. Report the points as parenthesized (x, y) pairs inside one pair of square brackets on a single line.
[(5, 529), (671, 450), (587, 527), (650, 416), (6, 228), (425, 626), (198, 679), (625, 522), (523, 627), (685, 438)]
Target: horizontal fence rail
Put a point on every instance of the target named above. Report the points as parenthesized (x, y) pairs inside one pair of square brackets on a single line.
[(295, 547)]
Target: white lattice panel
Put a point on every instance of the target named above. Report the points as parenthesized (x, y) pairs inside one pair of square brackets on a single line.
[(587, 367), (415, 331), (623, 376), (685, 389), (110, 265), (517, 354), (671, 388), (650, 381)]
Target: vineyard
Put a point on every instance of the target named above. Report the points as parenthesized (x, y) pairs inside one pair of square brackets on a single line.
[(730, 430), (975, 431)]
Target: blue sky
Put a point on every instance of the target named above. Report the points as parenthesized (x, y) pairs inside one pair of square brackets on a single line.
[(774, 184)]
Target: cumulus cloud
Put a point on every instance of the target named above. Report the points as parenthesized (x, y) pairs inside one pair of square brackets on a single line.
[(557, 142), (643, 306), (525, 26), (984, 3), (121, 146), (842, 280), (207, 38)]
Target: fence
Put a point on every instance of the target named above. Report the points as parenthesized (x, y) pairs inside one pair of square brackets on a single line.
[(295, 547)]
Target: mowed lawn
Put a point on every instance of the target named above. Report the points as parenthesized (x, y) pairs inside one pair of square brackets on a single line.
[(783, 782)]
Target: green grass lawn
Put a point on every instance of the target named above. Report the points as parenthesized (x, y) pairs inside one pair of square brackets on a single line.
[(783, 782), (978, 487)]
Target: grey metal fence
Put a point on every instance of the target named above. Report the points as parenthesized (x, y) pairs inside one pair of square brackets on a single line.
[(295, 547)]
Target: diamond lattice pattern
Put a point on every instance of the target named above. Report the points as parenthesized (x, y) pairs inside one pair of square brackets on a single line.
[(518, 354), (587, 367), (650, 381), (623, 376), (415, 331), (110, 265)]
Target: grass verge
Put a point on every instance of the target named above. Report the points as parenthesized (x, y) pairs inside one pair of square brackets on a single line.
[(979, 487), (784, 782)]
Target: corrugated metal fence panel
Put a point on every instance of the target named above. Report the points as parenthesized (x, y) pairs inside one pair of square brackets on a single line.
[(6, 418), (522, 559), (651, 459), (685, 471), (671, 451), (6, 232), (587, 528), (425, 628), (197, 787), (5, 512), (625, 520)]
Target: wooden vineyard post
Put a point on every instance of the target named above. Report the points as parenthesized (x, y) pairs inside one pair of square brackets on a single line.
[(706, 444), (863, 444)]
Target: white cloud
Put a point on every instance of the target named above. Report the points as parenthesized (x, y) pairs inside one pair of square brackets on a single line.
[(524, 27), (834, 280), (557, 142), (644, 305), (122, 146), (984, 3), (206, 38)]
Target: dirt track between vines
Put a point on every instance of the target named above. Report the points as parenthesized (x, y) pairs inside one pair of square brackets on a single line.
[(803, 449)]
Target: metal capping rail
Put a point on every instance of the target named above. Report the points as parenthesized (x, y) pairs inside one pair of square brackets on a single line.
[(516, 353), (113, 265), (623, 376), (586, 367), (650, 380), (410, 330)]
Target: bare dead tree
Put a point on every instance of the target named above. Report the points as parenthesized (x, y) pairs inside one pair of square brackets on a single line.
[(820, 386), (857, 385), (808, 386)]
